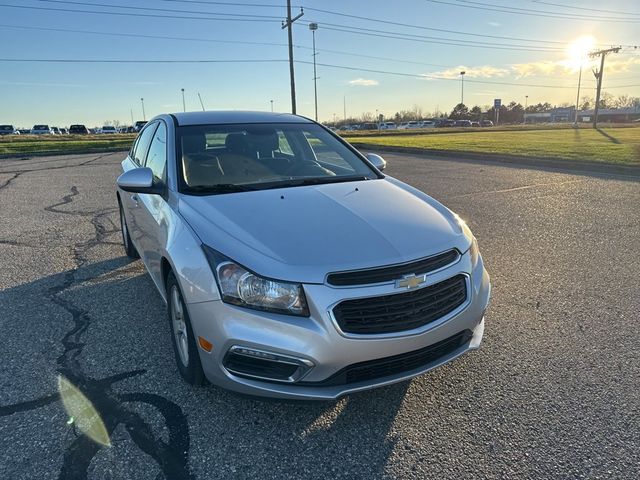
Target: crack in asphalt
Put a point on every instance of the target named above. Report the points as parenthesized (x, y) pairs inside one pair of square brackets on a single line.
[(172, 457)]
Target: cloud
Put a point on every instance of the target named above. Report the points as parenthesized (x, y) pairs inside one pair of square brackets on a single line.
[(363, 82), (484, 71), (495, 24), (561, 68)]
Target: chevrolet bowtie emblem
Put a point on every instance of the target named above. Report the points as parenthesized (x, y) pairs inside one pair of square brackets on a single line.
[(411, 281)]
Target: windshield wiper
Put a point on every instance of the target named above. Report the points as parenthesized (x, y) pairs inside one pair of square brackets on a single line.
[(320, 180), (220, 188)]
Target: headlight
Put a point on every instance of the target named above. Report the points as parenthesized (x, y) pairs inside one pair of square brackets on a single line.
[(239, 286), (474, 251)]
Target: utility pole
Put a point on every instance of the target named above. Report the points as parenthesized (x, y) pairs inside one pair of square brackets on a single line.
[(271, 105), (144, 115), (462, 80), (526, 101), (201, 104), (132, 122), (288, 24), (344, 108), (313, 27), (598, 75), (184, 108)]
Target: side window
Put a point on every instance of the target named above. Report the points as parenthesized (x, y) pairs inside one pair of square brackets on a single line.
[(283, 144), (142, 144), (325, 153), (157, 158)]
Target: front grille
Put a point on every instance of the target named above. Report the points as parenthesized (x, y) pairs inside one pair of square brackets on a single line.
[(405, 362), (401, 311), (393, 272)]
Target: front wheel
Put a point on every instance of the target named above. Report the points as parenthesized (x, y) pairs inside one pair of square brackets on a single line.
[(184, 342)]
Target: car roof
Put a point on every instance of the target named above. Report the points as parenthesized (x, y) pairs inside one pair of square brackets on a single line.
[(236, 116)]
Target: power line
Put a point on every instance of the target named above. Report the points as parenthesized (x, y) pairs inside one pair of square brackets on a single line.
[(529, 12), (211, 40), (423, 76), (434, 40), (235, 4), (564, 5), (76, 60), (148, 9), (421, 27), (128, 14)]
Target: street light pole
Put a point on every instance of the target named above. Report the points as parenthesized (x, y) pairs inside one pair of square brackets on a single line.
[(144, 115), (462, 83), (184, 108), (526, 102), (271, 105), (313, 27)]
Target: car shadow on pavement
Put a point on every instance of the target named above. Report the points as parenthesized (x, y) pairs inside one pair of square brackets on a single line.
[(102, 327)]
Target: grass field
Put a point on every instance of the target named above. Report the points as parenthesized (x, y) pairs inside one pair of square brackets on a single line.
[(609, 144), (614, 145), (27, 144)]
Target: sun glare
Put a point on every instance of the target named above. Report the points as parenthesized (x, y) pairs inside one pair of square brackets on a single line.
[(578, 51)]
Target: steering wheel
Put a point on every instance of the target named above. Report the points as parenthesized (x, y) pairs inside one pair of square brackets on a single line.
[(308, 168)]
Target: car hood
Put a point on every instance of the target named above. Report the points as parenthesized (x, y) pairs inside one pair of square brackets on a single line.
[(303, 233)]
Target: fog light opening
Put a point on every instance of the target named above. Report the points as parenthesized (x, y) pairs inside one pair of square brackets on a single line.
[(264, 365)]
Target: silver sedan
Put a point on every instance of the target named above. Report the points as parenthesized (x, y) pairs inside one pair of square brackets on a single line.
[(291, 266)]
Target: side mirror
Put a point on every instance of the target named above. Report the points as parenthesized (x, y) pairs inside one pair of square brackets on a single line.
[(139, 180), (377, 161)]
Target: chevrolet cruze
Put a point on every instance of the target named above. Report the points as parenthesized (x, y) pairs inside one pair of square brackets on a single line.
[(291, 266)]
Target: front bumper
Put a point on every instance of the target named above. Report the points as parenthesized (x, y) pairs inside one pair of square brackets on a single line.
[(318, 342)]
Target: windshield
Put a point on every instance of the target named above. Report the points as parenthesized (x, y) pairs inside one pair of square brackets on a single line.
[(228, 158), (6, 127)]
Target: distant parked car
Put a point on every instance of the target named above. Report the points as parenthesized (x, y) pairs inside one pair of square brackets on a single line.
[(427, 124), (139, 124), (445, 122), (56, 131), (409, 125), (41, 130), (64, 131), (24, 131), (78, 130), (463, 123), (475, 124), (486, 123), (8, 130), (108, 129)]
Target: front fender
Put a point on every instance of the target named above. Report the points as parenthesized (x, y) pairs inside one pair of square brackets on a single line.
[(189, 264)]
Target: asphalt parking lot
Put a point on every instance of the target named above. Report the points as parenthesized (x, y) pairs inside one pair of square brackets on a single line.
[(553, 393)]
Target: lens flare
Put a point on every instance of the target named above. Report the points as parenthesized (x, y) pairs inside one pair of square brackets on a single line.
[(82, 413)]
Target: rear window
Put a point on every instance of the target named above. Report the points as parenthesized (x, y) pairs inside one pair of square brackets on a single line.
[(41, 127), (6, 127)]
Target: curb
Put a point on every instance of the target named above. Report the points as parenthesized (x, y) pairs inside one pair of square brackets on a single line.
[(600, 167)]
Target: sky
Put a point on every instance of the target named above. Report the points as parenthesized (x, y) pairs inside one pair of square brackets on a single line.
[(373, 56)]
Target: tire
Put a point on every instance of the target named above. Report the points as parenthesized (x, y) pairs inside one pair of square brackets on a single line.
[(183, 339), (129, 249)]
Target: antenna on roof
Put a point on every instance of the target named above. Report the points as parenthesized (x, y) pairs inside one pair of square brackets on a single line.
[(200, 98)]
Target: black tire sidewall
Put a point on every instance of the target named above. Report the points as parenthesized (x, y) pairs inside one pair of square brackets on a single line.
[(192, 373)]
